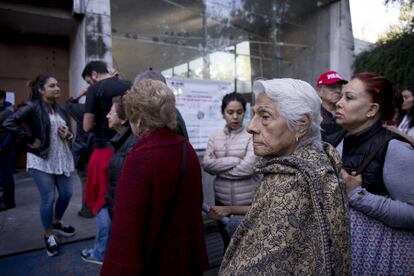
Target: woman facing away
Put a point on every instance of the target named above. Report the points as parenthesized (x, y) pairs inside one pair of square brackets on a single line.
[(298, 221), (379, 177), (49, 159), (229, 156), (157, 226)]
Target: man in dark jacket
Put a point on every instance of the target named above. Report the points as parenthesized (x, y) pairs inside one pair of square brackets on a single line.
[(82, 146)]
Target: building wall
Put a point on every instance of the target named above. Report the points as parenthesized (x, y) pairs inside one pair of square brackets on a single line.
[(321, 41), (25, 56)]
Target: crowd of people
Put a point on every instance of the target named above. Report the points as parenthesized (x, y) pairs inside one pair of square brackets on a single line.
[(319, 182)]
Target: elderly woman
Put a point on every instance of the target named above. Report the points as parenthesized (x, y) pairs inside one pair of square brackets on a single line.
[(379, 177), (298, 221), (157, 225), (122, 143)]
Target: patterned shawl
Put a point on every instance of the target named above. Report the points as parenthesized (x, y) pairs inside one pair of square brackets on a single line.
[(298, 222)]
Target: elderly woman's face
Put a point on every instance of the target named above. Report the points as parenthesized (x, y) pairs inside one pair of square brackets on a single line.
[(355, 109), (271, 135)]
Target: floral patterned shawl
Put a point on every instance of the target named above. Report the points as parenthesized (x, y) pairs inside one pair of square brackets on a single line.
[(298, 222)]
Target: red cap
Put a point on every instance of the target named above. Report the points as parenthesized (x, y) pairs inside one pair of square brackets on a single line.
[(330, 77)]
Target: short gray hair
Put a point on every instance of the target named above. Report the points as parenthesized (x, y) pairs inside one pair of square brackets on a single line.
[(294, 99)]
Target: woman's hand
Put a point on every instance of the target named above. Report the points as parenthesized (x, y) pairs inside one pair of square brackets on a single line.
[(352, 180), (35, 144), (217, 212), (64, 133), (392, 128)]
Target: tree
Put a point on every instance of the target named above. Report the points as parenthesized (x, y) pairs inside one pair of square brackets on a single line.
[(393, 54), (406, 24)]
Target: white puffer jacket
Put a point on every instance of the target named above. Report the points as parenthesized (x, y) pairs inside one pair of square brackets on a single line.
[(229, 156)]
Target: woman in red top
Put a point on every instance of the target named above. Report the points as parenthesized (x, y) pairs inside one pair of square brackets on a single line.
[(157, 227)]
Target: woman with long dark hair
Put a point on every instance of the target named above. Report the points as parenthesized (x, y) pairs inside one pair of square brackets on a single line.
[(406, 126), (49, 159)]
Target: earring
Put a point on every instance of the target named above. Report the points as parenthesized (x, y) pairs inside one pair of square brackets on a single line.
[(297, 139)]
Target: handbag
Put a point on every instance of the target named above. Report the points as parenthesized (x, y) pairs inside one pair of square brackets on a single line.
[(377, 249)]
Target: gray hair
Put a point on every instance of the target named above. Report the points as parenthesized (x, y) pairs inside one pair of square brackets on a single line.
[(294, 99), (150, 75)]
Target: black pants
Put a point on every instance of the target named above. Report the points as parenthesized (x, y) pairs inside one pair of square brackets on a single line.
[(6, 177), (222, 230)]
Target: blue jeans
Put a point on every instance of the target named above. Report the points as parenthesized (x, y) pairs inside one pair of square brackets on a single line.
[(46, 184), (103, 223)]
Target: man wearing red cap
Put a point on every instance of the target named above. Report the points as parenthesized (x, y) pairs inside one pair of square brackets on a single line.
[(329, 86)]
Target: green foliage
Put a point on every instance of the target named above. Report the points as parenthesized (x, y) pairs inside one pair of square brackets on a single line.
[(406, 23), (393, 59), (406, 19)]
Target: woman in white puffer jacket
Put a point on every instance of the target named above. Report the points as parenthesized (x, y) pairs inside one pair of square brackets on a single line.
[(230, 157)]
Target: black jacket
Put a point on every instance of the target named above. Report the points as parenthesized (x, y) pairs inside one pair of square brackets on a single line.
[(122, 144), (34, 114), (357, 147)]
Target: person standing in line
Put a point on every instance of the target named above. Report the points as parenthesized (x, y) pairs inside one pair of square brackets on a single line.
[(122, 143), (103, 87), (7, 201), (229, 156), (157, 227), (377, 170), (49, 159), (298, 221), (406, 126), (82, 146), (329, 87), (154, 75)]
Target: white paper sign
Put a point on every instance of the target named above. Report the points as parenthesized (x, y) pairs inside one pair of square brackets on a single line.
[(10, 97), (199, 102)]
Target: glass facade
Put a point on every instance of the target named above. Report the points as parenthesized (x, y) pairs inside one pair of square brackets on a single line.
[(231, 40)]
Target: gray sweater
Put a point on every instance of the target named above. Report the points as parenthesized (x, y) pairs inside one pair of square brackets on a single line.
[(398, 173)]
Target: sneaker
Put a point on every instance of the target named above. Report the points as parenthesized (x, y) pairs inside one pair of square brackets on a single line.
[(85, 213), (52, 247), (86, 255), (63, 229)]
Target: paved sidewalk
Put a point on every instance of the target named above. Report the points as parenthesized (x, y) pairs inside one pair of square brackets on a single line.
[(20, 227), (21, 237)]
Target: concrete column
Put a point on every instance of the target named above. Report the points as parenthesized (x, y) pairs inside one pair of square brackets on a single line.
[(98, 36), (341, 38), (77, 60), (92, 39)]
